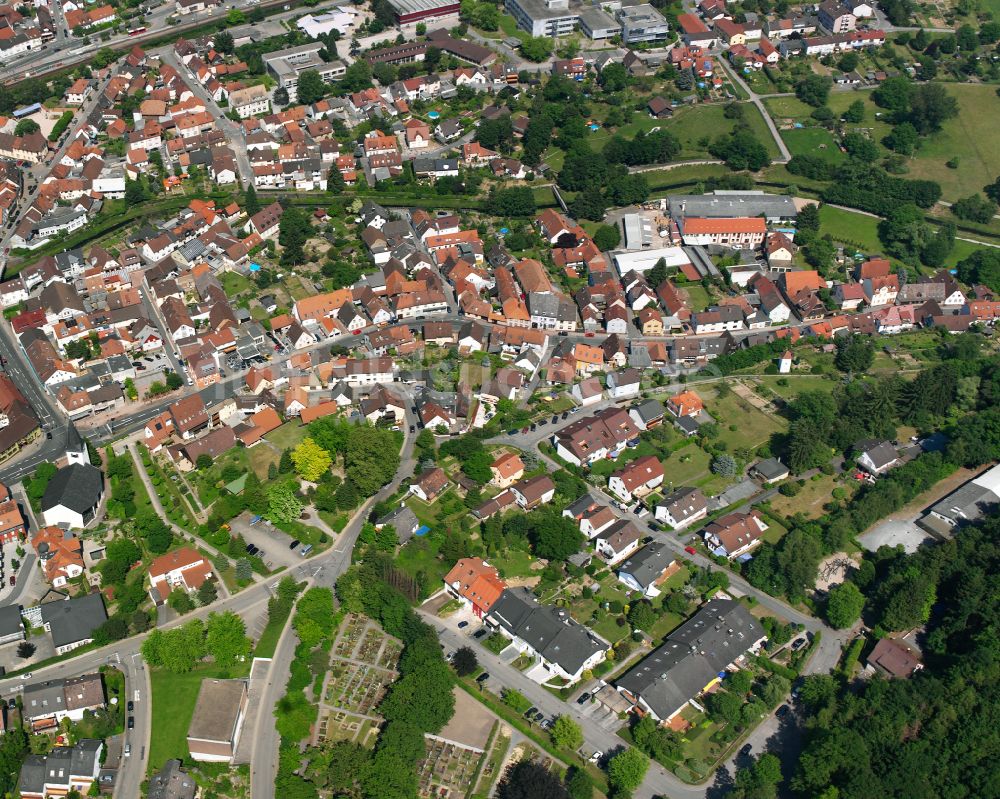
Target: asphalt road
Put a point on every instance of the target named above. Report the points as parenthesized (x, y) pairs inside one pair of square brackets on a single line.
[(325, 570)]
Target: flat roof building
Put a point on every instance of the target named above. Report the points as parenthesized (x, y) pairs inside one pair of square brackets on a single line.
[(543, 17), (642, 23), (218, 718), (288, 64), (410, 12), (729, 204)]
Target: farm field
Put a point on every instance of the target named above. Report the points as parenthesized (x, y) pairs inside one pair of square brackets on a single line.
[(813, 141), (972, 137)]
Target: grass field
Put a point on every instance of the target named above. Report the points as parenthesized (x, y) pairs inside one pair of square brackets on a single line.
[(809, 501), (796, 385), (850, 227), (972, 137), (692, 125), (752, 427), (174, 698), (813, 141)]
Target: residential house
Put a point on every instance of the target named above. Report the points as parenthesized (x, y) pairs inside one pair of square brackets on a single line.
[(476, 584), (636, 479), (647, 568), (735, 534), (682, 507)]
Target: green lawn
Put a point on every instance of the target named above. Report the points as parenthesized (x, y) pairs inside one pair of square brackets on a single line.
[(850, 227), (794, 385), (515, 563), (787, 108), (972, 137), (288, 436), (421, 555), (693, 124), (698, 297), (234, 283), (810, 501), (174, 697), (813, 141), (753, 427)]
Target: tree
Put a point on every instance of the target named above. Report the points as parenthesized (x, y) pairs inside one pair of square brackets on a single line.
[(974, 208), (607, 237), (930, 107), (310, 88), (465, 661), (181, 601), (536, 48), (844, 605), (135, 192), (25, 649), (902, 139), (627, 769), (208, 593), (250, 202), (579, 784), (226, 640), (724, 706), (893, 94), (741, 150), (553, 536), (26, 127), (281, 96), (855, 112), (335, 183), (724, 465), (294, 230), (311, 460), (529, 779), (993, 190), (814, 89), (283, 504), (641, 615), (855, 354), (566, 733), (861, 147)]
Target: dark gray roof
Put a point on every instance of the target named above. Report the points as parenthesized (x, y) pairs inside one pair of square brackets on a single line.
[(771, 469), (74, 619), (881, 454), (44, 698), (648, 411), (57, 767), (77, 487), (692, 655), (403, 520), (646, 565), (550, 631), (172, 782), (10, 620)]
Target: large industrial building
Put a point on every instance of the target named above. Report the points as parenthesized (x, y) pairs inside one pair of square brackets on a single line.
[(438, 12)]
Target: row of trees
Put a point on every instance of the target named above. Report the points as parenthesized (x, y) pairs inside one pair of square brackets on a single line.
[(223, 638)]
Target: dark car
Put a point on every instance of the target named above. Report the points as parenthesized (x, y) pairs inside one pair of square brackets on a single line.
[(294, 544), (782, 711), (530, 712), (801, 642), (584, 697), (462, 625), (131, 722), (483, 677), (564, 414), (479, 633), (512, 432), (746, 750), (555, 418), (413, 428), (539, 716), (534, 427), (131, 705)]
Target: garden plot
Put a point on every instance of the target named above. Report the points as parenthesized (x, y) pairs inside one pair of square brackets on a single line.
[(356, 687), (448, 770), (350, 633), (339, 725)]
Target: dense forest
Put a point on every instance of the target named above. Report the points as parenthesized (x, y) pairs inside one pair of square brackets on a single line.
[(931, 736), (958, 397)]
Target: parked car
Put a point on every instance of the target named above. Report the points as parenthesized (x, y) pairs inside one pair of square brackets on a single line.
[(483, 677), (294, 544), (691, 550), (798, 644), (131, 722), (539, 716), (584, 697), (128, 750), (479, 633), (462, 625), (413, 428), (555, 418), (746, 750), (13, 579), (530, 712), (782, 711), (594, 758), (306, 550), (546, 724), (130, 706)]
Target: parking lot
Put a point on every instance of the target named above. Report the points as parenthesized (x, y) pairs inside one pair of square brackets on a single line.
[(272, 542)]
